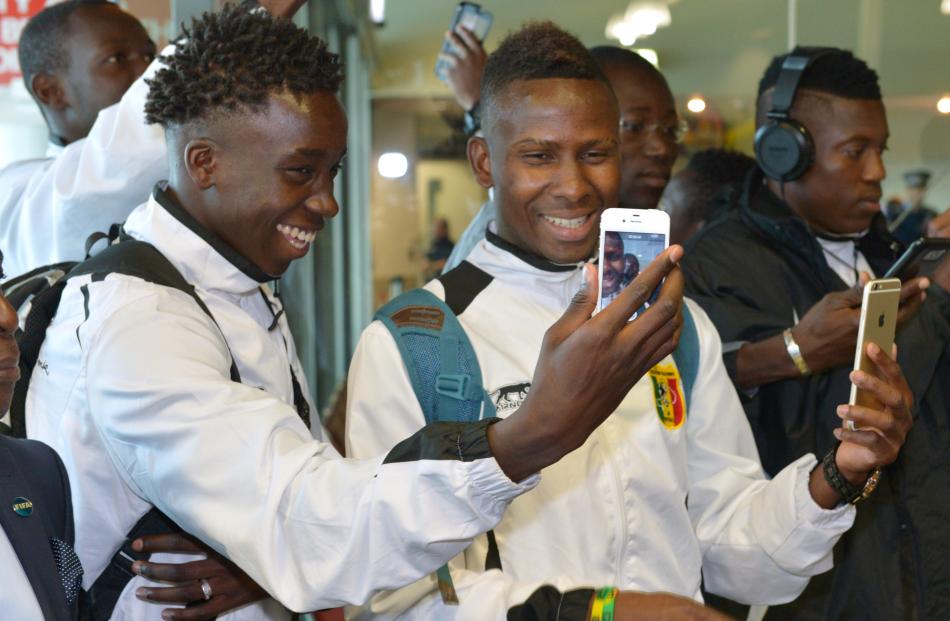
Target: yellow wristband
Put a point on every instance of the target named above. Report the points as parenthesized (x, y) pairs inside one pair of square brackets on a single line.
[(603, 606)]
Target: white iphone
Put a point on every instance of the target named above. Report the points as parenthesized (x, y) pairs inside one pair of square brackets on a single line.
[(878, 325), (629, 240)]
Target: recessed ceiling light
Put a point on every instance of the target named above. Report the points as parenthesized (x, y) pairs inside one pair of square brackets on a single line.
[(696, 105), (943, 105), (392, 165)]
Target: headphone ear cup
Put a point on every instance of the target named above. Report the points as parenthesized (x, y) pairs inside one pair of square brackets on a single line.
[(783, 150)]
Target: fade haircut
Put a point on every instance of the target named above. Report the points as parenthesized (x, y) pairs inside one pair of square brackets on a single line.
[(838, 73), (539, 51), (41, 48), (234, 60)]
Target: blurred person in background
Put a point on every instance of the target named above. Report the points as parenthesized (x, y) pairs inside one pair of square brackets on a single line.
[(907, 220), (694, 195), (80, 58)]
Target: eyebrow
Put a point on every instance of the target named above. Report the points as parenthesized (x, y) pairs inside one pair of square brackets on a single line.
[(551, 144), (315, 153)]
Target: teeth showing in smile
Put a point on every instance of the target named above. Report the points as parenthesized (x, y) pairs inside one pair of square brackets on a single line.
[(567, 223), (297, 237)]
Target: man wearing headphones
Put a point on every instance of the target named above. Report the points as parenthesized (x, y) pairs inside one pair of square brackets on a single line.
[(808, 219)]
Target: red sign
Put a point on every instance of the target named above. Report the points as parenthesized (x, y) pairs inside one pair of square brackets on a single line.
[(13, 17)]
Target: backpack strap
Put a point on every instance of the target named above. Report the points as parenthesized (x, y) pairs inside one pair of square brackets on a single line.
[(438, 356), (686, 354), (442, 366)]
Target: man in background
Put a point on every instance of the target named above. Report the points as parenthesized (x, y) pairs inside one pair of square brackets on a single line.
[(907, 221), (79, 58), (780, 275)]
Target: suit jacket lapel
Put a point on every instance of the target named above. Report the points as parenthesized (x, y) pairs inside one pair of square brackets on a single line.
[(24, 533)]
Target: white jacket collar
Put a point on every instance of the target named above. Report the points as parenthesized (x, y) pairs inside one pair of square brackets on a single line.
[(202, 258), (512, 264)]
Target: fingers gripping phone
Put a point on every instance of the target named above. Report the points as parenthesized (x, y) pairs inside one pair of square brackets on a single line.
[(474, 18), (878, 325), (629, 240), (920, 259)]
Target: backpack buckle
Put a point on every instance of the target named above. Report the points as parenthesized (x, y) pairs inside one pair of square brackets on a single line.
[(454, 386)]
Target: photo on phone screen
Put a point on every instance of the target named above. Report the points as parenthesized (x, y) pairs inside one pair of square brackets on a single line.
[(624, 253)]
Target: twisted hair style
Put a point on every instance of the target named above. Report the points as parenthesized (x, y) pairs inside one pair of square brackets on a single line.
[(235, 60)]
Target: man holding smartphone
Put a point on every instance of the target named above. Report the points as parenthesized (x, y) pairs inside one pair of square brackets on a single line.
[(649, 503), (781, 277)]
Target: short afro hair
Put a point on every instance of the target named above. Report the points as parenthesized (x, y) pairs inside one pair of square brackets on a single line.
[(612, 56), (711, 173), (539, 51), (235, 60), (721, 166), (41, 48), (837, 72)]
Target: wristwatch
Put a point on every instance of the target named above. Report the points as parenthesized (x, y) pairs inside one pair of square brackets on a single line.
[(852, 494), (795, 353)]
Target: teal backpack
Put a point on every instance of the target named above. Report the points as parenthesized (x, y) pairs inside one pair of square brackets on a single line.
[(444, 371)]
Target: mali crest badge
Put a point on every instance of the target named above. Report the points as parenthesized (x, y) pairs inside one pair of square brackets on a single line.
[(668, 394)]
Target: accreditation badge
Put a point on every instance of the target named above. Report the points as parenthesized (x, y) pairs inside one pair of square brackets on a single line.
[(668, 394)]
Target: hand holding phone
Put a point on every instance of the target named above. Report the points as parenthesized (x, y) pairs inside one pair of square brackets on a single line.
[(473, 18), (877, 325), (629, 240)]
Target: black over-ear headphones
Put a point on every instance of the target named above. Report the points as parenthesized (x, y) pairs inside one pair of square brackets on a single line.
[(783, 147)]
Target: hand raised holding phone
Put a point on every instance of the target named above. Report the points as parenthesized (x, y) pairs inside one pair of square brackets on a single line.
[(588, 364)]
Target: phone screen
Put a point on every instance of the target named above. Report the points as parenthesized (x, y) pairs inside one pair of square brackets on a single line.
[(623, 254)]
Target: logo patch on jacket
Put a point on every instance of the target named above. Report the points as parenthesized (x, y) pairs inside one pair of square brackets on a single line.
[(668, 394), (509, 398)]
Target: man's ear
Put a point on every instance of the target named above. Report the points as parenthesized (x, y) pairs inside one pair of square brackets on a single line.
[(479, 159), (201, 161), (48, 90)]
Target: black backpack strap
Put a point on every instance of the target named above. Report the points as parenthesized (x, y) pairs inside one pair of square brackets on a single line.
[(42, 310), (99, 601), (132, 257)]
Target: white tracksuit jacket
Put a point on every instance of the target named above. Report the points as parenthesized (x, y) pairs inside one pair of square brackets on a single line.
[(133, 390), (48, 207), (642, 505)]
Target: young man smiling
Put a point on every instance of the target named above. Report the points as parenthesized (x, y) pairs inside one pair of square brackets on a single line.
[(649, 132), (659, 498), (792, 321), (139, 391)]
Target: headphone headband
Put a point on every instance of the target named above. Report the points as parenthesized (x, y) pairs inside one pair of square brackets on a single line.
[(786, 86)]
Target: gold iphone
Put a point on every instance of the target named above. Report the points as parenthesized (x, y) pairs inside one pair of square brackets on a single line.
[(878, 325)]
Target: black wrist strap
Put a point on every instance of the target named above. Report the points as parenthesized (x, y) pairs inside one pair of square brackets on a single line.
[(836, 480)]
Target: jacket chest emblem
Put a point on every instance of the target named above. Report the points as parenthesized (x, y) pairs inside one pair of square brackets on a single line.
[(509, 398), (668, 395)]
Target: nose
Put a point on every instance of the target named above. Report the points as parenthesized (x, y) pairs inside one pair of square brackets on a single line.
[(659, 145), (8, 318), (572, 183), (874, 170), (323, 204)]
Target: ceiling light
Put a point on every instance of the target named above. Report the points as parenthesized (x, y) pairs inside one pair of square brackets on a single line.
[(649, 55), (641, 19), (696, 105), (943, 106), (392, 165), (377, 11), (945, 7)]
